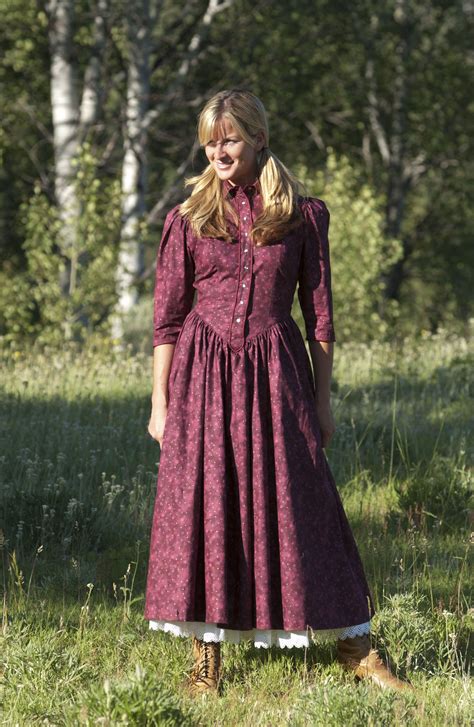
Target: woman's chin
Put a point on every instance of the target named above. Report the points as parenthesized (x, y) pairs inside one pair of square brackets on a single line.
[(223, 173), (232, 175)]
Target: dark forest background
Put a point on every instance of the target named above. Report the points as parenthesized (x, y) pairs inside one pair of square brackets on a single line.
[(370, 103)]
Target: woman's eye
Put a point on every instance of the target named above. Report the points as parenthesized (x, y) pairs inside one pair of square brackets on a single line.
[(226, 142)]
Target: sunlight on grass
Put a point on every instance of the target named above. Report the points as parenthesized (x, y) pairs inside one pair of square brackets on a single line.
[(77, 483)]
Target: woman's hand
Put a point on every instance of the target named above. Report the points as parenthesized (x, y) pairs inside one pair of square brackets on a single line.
[(156, 425), (326, 421), (162, 359)]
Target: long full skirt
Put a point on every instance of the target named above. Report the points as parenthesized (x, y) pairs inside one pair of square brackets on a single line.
[(249, 534)]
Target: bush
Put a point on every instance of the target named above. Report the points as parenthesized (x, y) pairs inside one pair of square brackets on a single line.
[(140, 700), (331, 704), (438, 494), (360, 252), (32, 301), (416, 638)]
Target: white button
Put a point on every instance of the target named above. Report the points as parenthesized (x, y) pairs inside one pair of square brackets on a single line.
[(244, 285), (241, 302), (246, 234), (246, 267), (243, 202), (246, 249), (244, 218), (238, 320)]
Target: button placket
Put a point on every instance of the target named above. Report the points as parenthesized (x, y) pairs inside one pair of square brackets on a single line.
[(245, 272)]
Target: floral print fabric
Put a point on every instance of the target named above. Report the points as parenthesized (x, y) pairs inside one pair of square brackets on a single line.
[(249, 532)]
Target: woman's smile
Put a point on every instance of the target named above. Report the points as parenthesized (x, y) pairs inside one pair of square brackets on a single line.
[(233, 158)]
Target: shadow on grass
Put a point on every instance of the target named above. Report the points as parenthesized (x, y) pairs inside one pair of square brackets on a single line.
[(78, 479)]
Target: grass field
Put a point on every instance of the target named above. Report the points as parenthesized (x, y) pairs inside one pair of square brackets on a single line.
[(77, 482)]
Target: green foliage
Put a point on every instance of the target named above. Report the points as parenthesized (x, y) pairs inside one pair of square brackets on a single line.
[(437, 494), (140, 701), (327, 101), (24, 121), (437, 290), (360, 253), (332, 705), (138, 325), (414, 638), (47, 311), (77, 484), (17, 307)]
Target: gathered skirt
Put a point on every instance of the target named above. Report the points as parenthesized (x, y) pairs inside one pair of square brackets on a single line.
[(249, 536)]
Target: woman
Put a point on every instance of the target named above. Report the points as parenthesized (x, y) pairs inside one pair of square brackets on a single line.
[(249, 537)]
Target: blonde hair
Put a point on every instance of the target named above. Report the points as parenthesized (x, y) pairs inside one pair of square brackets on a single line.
[(206, 208)]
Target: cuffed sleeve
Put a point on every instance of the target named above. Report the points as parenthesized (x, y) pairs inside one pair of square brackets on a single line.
[(174, 278), (314, 282)]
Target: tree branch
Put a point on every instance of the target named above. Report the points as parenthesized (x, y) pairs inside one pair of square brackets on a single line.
[(92, 92), (214, 7), (156, 213), (373, 113), (315, 135)]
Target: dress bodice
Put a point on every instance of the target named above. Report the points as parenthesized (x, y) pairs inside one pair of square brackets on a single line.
[(239, 288)]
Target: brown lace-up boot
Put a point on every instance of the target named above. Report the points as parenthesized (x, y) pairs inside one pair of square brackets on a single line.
[(205, 676), (358, 656)]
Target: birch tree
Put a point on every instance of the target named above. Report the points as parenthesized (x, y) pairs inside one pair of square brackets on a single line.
[(72, 114), (134, 169), (139, 117)]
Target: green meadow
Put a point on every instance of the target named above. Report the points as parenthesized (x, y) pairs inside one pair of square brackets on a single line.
[(77, 482)]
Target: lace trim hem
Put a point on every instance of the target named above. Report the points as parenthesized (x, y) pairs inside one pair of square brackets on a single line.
[(262, 638)]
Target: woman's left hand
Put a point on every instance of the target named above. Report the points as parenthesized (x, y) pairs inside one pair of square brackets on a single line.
[(326, 422)]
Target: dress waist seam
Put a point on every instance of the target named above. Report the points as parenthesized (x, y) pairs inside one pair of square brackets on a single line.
[(282, 322)]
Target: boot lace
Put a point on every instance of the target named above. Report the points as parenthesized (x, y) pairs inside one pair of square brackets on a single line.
[(202, 670), (206, 659)]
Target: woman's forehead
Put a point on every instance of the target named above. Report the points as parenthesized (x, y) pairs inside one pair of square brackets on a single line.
[(221, 128)]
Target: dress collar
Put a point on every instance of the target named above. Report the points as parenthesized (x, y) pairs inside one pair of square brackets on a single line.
[(231, 190)]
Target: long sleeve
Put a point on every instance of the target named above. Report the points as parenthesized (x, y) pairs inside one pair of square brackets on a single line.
[(174, 289), (314, 282)]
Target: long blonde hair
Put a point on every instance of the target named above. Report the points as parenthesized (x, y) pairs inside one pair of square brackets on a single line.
[(206, 208)]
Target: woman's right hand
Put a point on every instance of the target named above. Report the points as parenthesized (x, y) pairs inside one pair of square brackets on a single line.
[(156, 425)]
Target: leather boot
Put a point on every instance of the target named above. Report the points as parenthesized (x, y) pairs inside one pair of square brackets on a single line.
[(205, 675), (358, 656)]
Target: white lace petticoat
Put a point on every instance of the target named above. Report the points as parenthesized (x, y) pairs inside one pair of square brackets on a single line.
[(262, 638)]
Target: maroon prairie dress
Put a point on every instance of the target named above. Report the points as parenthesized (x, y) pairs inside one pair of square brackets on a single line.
[(249, 538)]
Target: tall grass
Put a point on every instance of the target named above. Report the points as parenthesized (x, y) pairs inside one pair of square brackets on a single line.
[(77, 483)]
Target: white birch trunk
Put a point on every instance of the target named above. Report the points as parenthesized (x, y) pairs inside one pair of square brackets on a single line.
[(134, 170), (70, 122), (140, 17), (65, 117)]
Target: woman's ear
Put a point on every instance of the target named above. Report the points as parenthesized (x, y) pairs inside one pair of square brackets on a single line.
[(259, 140)]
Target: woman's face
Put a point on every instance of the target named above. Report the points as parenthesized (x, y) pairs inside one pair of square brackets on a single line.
[(231, 156)]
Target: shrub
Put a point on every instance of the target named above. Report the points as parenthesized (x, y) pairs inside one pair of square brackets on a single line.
[(437, 494), (417, 637), (139, 700), (32, 301), (360, 252)]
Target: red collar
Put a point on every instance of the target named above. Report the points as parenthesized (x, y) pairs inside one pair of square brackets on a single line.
[(230, 190)]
